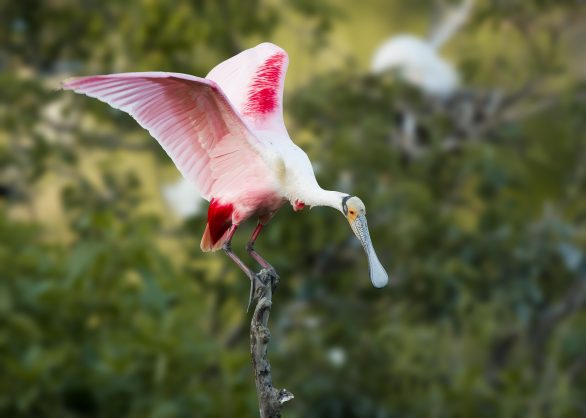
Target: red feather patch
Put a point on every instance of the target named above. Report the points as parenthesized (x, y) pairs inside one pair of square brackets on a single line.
[(263, 93), (298, 205), (219, 219)]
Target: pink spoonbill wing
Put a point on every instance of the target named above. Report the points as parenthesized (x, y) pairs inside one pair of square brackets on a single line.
[(193, 121), (253, 81)]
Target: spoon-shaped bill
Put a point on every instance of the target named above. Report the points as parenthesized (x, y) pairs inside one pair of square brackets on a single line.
[(378, 275)]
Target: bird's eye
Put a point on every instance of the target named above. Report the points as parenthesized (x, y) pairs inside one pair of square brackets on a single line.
[(352, 212)]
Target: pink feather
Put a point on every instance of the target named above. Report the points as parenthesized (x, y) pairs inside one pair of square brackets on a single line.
[(254, 81), (195, 124)]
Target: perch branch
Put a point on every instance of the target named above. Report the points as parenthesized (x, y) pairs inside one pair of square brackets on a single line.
[(270, 399)]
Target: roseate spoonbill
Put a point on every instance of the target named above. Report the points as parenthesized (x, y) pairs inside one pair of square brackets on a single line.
[(226, 134), (418, 60)]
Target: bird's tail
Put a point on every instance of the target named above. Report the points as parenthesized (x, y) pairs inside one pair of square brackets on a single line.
[(207, 244)]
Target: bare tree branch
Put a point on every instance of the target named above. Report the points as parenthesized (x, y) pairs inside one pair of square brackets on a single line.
[(270, 399)]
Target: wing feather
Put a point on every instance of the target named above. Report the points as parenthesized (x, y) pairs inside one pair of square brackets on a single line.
[(253, 81), (195, 124)]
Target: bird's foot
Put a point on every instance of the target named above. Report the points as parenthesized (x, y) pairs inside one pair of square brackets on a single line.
[(259, 282), (266, 277), (253, 288), (270, 272)]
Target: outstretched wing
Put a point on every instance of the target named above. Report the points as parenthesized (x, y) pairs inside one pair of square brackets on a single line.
[(253, 81), (194, 123)]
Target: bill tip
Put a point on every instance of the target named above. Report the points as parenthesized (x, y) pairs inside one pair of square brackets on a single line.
[(379, 278)]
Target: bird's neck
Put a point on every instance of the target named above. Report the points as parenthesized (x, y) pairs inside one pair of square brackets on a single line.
[(321, 197)]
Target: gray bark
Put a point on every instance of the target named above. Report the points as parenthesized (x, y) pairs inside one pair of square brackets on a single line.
[(270, 399)]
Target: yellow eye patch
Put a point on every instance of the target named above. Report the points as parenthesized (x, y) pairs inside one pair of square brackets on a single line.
[(352, 214)]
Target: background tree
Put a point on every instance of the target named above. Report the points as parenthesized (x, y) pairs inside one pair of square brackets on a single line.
[(108, 308)]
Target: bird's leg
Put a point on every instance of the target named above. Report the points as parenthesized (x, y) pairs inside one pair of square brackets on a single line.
[(254, 254), (251, 275)]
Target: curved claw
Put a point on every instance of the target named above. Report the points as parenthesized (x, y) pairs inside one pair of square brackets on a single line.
[(252, 292)]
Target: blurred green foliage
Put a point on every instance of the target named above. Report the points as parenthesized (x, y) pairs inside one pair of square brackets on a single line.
[(108, 309)]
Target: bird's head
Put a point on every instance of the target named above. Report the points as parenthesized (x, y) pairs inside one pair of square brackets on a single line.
[(355, 211)]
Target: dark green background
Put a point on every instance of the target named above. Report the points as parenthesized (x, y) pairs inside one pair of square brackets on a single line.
[(109, 309)]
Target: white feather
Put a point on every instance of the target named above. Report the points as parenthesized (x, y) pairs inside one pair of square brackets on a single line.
[(418, 64), (418, 61)]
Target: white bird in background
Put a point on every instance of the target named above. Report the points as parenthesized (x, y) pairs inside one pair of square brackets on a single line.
[(418, 61), (226, 133), (183, 197)]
